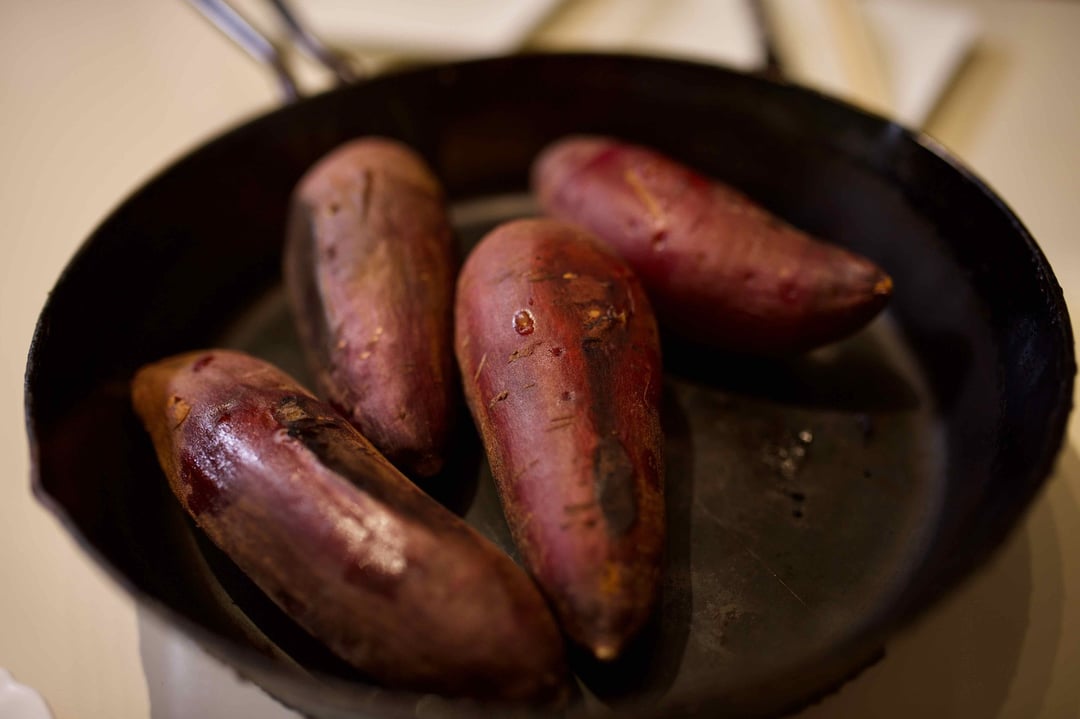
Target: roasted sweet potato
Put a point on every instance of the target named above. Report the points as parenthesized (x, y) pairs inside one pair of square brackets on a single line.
[(718, 268), (560, 359), (386, 577), (369, 267)]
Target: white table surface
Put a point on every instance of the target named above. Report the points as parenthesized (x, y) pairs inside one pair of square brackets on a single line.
[(96, 96)]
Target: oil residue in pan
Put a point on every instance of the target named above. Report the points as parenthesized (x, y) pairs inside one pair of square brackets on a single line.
[(801, 494), (808, 490)]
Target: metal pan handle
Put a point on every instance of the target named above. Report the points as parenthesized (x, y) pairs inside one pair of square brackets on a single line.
[(265, 51)]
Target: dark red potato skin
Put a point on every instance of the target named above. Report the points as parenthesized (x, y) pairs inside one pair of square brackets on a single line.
[(369, 268), (346, 545), (718, 268), (560, 359)]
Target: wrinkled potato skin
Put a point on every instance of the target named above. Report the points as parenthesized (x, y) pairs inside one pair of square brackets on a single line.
[(560, 359), (347, 546), (718, 268), (369, 268)]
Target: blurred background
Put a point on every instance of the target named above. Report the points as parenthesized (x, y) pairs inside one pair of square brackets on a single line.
[(97, 97)]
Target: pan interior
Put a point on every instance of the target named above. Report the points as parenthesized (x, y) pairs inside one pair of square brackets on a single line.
[(801, 496)]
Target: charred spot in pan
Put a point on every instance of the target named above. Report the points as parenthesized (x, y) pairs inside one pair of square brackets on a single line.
[(613, 474)]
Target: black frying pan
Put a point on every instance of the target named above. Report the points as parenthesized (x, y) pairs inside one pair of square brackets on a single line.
[(816, 503)]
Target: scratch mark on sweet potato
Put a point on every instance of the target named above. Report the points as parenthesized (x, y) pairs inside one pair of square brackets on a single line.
[(503, 277), (560, 422), (365, 198), (498, 398), (480, 367), (523, 352), (638, 186)]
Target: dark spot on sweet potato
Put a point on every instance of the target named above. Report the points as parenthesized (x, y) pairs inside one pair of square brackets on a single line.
[(522, 352), (326, 435), (613, 476), (341, 449), (613, 471), (202, 362), (524, 322)]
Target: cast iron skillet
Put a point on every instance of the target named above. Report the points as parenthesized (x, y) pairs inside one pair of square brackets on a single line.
[(816, 503)]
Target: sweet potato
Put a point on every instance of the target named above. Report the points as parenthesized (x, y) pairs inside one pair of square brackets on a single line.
[(382, 574), (369, 267), (718, 268), (560, 359)]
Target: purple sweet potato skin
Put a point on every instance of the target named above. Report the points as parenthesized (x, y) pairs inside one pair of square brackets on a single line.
[(339, 539), (369, 268), (718, 268), (560, 360)]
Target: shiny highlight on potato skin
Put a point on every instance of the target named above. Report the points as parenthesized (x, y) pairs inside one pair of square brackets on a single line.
[(347, 546), (369, 267), (719, 268), (559, 354)]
